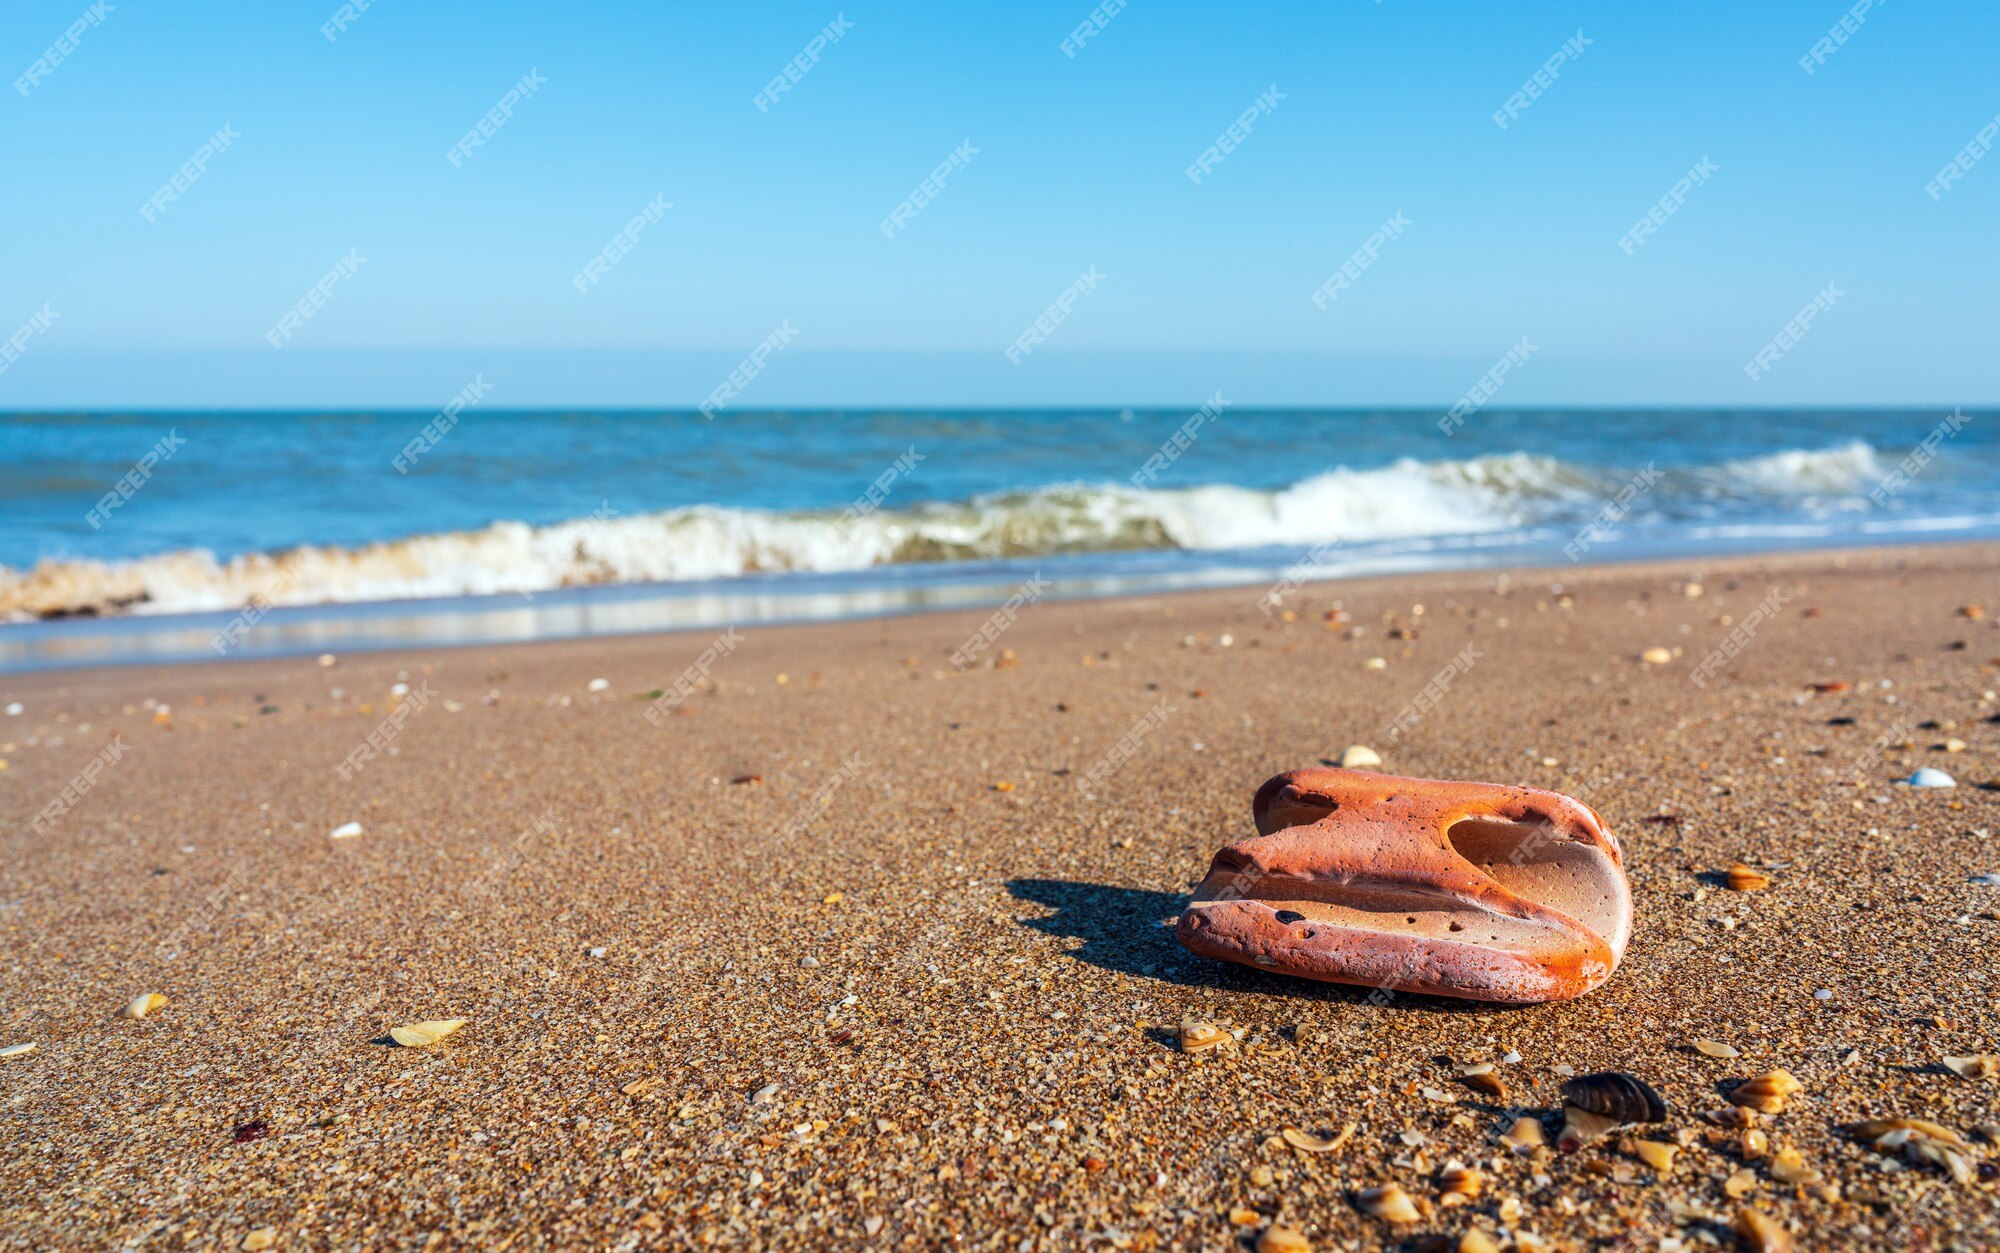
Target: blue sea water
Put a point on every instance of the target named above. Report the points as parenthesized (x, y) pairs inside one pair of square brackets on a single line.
[(364, 529)]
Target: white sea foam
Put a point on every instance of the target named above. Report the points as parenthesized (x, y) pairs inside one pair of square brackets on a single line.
[(1406, 500)]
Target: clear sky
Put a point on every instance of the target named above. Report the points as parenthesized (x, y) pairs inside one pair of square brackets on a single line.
[(1382, 108)]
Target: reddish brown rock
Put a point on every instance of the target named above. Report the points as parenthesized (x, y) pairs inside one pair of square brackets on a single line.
[(1473, 890)]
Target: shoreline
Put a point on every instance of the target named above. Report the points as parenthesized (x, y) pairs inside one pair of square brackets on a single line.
[(615, 611), (838, 865)]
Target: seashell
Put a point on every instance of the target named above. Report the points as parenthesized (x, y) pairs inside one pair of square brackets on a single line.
[(1525, 1135), (1459, 1183), (1767, 1093), (1359, 757), (1877, 1129), (1200, 1037), (1306, 1142), (418, 1035), (1761, 1233), (1389, 1203), (1655, 1153), (1753, 1144), (345, 831), (1481, 1077), (144, 1004), (17, 1050), (1929, 776), (1509, 1210), (1715, 1048), (1787, 1166), (1472, 890), (1278, 1239), (1476, 1241), (1617, 1095), (1740, 1184), (1730, 1116), (1976, 1066), (1582, 1126), (639, 1087), (1745, 879), (1657, 656)]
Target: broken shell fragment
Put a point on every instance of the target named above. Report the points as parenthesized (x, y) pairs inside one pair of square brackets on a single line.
[(1655, 1153), (1740, 1184), (1475, 890), (1525, 1135), (1389, 1203), (1977, 1066), (418, 1035), (1787, 1166), (1582, 1127), (144, 1004), (1459, 1183), (1743, 878), (1278, 1239), (1476, 1241), (1306, 1142), (1761, 1233), (1482, 1078), (1657, 656), (1767, 1093), (17, 1050), (1200, 1037)]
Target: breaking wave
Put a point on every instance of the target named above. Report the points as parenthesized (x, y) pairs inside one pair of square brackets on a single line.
[(1404, 500)]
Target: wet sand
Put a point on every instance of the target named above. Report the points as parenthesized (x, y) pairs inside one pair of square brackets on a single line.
[(843, 954)]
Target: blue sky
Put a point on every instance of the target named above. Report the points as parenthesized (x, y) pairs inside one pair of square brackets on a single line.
[(1080, 163)]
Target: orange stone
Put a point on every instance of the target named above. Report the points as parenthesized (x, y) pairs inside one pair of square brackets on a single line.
[(1476, 890)]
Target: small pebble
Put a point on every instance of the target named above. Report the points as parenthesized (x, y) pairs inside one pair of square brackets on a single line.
[(599, 685), (1929, 776), (346, 830)]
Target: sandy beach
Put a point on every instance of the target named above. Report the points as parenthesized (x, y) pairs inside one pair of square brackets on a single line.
[(854, 949)]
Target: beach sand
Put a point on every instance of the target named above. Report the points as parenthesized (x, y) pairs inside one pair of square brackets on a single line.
[(877, 971)]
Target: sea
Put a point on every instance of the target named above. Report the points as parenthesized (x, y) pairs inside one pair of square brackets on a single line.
[(146, 537)]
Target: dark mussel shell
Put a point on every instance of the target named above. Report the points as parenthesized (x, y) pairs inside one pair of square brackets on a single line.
[(1618, 1095)]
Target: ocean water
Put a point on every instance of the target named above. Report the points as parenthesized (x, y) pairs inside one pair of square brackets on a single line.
[(359, 530)]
